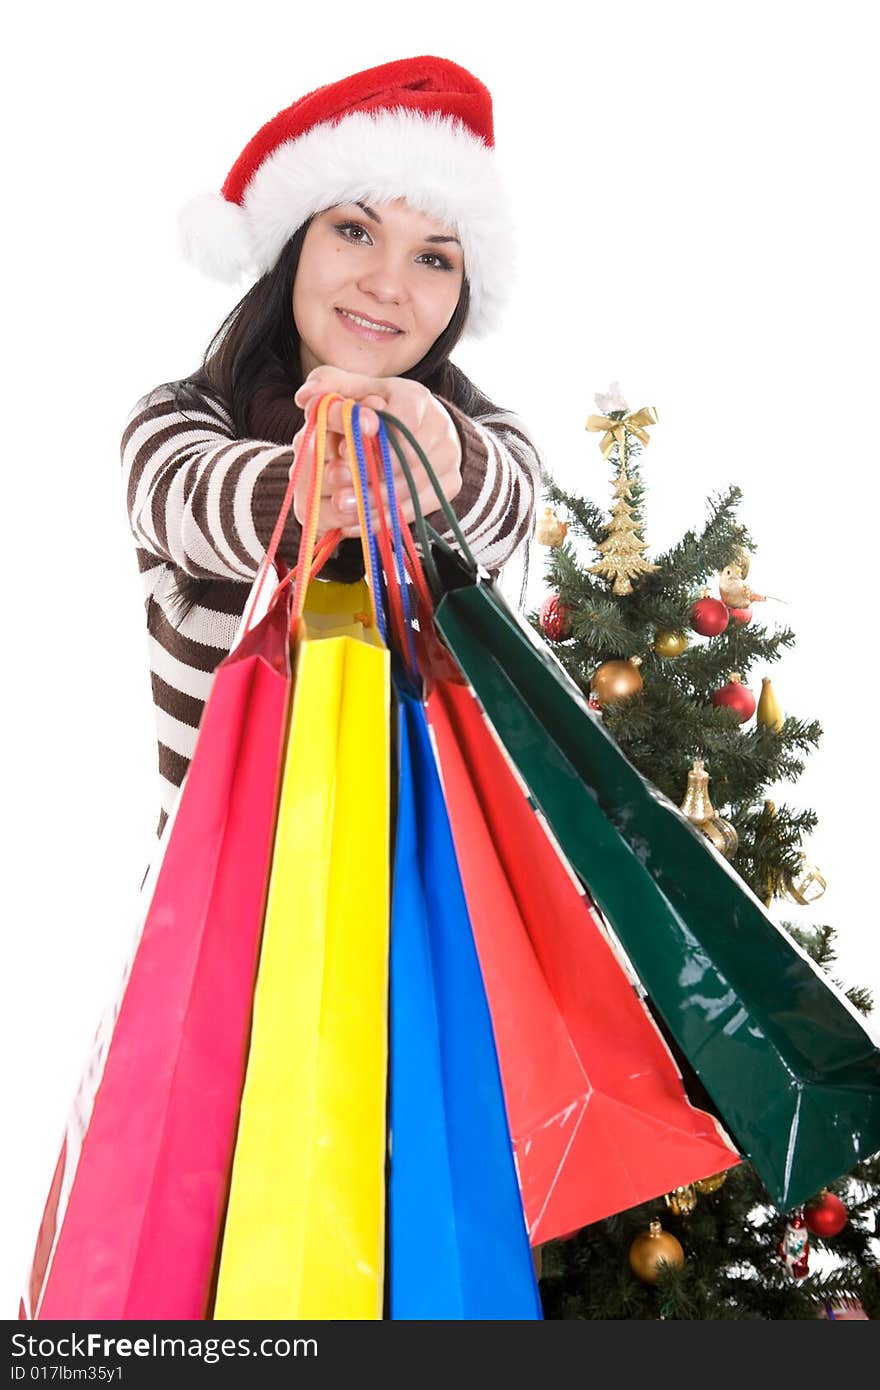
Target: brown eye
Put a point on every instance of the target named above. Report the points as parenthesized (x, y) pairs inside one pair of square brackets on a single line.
[(343, 227), (444, 263)]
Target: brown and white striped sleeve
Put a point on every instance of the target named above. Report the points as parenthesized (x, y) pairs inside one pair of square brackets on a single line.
[(501, 474), (198, 497)]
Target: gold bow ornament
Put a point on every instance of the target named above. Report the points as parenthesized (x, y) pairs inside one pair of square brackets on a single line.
[(636, 422)]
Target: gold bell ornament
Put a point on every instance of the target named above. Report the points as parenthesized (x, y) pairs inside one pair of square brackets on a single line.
[(700, 811)]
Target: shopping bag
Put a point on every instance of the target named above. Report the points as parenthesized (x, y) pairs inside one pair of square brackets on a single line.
[(305, 1226), (458, 1241), (786, 1059), (135, 1205), (136, 1202), (788, 1062), (598, 1113)]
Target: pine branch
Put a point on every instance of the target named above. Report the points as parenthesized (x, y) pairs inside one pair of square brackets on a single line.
[(565, 575), (796, 734), (816, 940), (601, 629), (863, 1000), (695, 557), (709, 666), (582, 515)]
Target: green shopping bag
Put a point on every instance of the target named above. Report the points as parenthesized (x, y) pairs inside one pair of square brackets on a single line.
[(786, 1059)]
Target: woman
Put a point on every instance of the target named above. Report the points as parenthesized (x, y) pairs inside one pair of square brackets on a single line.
[(372, 212)]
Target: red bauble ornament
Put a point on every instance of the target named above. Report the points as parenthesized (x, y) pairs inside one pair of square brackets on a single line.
[(826, 1216), (709, 616), (740, 615), (555, 618), (736, 696)]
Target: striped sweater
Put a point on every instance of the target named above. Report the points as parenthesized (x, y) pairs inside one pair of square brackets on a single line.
[(202, 500)]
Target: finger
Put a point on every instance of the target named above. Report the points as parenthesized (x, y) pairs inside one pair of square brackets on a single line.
[(329, 519), (337, 475), (424, 492), (336, 428), (335, 451), (322, 379), (371, 403), (345, 503), (350, 531), (369, 420), (328, 378), (303, 487)]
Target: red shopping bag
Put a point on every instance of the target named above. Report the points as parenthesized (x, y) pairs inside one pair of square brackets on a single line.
[(597, 1110)]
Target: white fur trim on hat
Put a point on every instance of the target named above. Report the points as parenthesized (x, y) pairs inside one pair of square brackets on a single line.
[(437, 164), (215, 236)]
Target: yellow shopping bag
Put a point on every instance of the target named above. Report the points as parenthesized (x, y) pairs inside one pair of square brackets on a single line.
[(305, 1225)]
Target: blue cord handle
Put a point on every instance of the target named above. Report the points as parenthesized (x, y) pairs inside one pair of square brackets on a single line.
[(371, 539)]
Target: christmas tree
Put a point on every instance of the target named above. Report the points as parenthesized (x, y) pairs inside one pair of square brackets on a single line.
[(667, 665)]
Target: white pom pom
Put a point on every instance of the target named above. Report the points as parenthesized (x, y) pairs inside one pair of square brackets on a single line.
[(214, 236)]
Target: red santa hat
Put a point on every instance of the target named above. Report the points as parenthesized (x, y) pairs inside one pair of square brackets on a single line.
[(418, 128)]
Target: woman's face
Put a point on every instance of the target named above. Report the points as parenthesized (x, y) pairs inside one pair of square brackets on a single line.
[(388, 263)]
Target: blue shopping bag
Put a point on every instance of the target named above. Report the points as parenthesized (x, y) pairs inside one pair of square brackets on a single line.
[(459, 1247)]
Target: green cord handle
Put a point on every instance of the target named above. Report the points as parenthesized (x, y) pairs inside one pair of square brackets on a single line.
[(421, 524)]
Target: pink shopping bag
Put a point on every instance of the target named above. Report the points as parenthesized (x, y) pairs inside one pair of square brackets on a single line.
[(137, 1235), (132, 1223)]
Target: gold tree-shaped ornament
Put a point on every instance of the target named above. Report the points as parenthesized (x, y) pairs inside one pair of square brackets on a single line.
[(621, 550)]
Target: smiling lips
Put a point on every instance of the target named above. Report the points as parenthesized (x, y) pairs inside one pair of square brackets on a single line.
[(366, 327)]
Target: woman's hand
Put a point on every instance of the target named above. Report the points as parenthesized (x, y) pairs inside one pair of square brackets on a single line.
[(338, 508), (415, 406)]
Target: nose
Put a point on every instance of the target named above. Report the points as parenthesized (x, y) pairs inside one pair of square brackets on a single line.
[(384, 279)]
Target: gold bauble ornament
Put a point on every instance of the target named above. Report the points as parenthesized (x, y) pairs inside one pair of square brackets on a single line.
[(699, 810), (682, 1200), (806, 885), (550, 529), (769, 709), (722, 835), (670, 643), (617, 680), (651, 1249), (711, 1184)]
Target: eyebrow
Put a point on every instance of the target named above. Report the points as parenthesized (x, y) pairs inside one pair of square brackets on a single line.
[(376, 218)]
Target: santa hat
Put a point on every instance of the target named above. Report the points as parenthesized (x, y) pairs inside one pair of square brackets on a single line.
[(418, 128)]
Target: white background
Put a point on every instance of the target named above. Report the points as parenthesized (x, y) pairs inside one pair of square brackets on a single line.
[(693, 191)]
